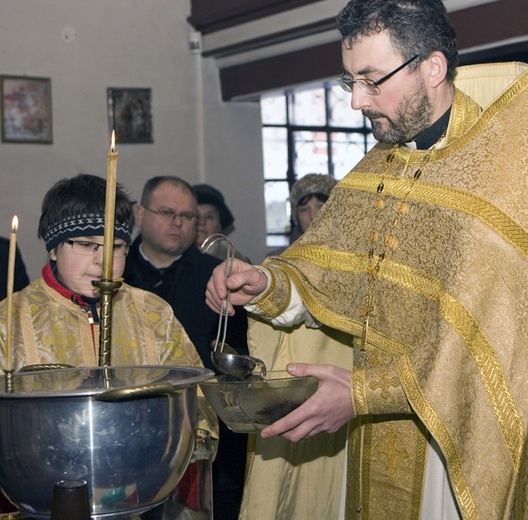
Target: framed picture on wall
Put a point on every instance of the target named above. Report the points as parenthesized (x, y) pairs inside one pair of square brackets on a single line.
[(130, 114), (26, 110)]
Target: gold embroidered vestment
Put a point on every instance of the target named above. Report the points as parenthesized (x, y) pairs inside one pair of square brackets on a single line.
[(447, 346)]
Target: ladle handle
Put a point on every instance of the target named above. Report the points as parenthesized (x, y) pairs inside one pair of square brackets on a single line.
[(136, 392), (228, 269)]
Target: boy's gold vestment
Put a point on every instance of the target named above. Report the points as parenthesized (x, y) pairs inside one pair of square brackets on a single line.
[(50, 329)]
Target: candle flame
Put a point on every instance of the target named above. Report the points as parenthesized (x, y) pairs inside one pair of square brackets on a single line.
[(112, 142), (14, 224)]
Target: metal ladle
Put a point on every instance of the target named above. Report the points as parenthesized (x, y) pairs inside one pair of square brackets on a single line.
[(229, 362)]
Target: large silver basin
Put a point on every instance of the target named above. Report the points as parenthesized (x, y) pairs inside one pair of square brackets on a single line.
[(128, 431)]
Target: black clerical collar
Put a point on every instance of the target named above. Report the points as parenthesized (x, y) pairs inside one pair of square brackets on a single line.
[(428, 137)]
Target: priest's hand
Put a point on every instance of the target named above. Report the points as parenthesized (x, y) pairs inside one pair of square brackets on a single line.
[(326, 411), (245, 282)]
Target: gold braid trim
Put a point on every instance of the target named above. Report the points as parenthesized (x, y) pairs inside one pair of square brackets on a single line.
[(490, 370), (447, 197), (463, 114), (459, 141), (276, 299), (491, 374), (488, 364), (505, 99), (370, 449), (434, 424), (331, 259), (352, 262), (359, 392), (355, 263), (477, 207)]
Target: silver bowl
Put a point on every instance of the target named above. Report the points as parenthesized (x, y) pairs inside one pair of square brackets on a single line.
[(129, 432), (247, 406)]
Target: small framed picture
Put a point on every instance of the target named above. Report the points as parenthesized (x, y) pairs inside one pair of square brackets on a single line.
[(26, 110), (130, 114)]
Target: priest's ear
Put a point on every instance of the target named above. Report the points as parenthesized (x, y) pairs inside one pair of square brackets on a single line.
[(436, 65)]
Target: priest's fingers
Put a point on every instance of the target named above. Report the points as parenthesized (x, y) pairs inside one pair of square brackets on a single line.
[(245, 282), (326, 411), (295, 426), (213, 300)]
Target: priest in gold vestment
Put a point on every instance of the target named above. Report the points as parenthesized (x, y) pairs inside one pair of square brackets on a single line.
[(420, 259)]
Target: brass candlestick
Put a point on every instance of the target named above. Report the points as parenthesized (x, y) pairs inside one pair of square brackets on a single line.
[(9, 384), (107, 288)]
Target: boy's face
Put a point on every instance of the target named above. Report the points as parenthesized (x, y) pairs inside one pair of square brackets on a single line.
[(76, 271)]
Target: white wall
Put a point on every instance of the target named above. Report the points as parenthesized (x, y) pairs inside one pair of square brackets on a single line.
[(124, 43)]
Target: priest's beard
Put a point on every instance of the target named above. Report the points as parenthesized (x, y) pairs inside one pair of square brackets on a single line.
[(412, 116)]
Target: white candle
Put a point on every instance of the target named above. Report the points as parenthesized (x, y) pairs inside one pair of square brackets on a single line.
[(108, 241), (10, 285)]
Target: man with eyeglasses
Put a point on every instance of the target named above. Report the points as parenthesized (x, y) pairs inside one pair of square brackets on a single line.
[(406, 296), (164, 259)]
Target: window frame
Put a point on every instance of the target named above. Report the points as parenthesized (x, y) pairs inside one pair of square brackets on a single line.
[(291, 175)]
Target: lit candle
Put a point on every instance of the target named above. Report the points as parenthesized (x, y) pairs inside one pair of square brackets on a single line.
[(108, 242), (10, 285)]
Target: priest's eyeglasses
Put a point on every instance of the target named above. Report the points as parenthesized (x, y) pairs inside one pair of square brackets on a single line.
[(368, 85), (85, 248), (170, 214)]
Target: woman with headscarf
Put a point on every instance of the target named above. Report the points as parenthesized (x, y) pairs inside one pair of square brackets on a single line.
[(307, 197), (213, 217)]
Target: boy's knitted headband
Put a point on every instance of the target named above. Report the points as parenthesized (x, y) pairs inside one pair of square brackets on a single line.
[(85, 225)]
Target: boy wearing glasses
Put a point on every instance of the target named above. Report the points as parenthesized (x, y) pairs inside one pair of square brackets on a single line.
[(55, 318)]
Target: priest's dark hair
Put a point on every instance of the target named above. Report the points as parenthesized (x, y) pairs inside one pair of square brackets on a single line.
[(416, 27)]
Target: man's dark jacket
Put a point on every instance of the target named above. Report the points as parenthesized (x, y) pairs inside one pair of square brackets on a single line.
[(183, 285)]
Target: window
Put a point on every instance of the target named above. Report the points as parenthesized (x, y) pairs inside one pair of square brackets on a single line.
[(306, 130)]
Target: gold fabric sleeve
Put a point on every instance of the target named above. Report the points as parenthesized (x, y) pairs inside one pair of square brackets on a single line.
[(378, 390), (276, 299)]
